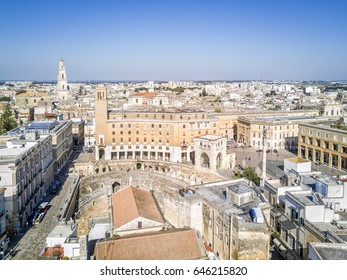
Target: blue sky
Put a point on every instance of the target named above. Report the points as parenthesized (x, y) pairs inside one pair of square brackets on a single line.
[(174, 40)]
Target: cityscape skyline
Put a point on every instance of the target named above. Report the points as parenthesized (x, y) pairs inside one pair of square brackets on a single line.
[(223, 40)]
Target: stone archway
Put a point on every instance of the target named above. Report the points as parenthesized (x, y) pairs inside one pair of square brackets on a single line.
[(205, 160), (115, 187), (101, 153)]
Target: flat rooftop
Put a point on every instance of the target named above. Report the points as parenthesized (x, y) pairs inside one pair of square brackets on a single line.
[(43, 127), (239, 189), (215, 195), (305, 199), (287, 118), (10, 152), (61, 231), (297, 160), (330, 251)]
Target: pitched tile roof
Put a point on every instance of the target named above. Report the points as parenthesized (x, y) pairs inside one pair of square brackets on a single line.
[(131, 203), (162, 245), (144, 94)]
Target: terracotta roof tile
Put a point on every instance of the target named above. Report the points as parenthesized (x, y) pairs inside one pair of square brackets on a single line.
[(163, 245), (144, 94), (131, 203)]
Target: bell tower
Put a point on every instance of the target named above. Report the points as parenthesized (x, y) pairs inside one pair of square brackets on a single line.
[(62, 87), (101, 116)]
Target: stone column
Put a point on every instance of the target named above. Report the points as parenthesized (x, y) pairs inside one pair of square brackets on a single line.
[(97, 156), (330, 160)]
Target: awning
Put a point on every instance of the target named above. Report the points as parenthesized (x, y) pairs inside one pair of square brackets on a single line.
[(288, 224)]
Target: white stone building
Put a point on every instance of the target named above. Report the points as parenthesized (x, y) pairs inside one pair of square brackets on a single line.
[(62, 86), (26, 173), (3, 231)]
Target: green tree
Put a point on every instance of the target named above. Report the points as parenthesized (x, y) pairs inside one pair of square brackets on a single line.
[(140, 89), (237, 174), (250, 174), (5, 98), (7, 120), (204, 93)]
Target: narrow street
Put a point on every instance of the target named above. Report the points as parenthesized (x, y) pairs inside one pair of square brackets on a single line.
[(31, 241)]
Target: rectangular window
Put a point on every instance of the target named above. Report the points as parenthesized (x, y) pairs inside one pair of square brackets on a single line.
[(336, 147), (326, 145)]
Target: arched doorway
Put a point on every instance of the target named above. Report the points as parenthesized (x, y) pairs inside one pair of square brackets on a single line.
[(101, 153), (205, 160), (192, 157), (115, 187), (219, 161)]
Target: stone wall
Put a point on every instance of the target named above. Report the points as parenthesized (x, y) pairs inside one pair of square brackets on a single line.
[(251, 241)]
